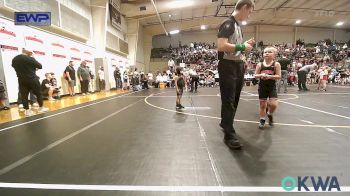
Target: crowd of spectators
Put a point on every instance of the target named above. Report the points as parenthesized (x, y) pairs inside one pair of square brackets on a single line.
[(202, 58)]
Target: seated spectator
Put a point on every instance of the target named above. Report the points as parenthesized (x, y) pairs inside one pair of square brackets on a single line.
[(159, 79), (3, 97), (210, 81), (53, 83), (125, 80), (150, 78), (165, 79), (144, 81), (47, 89)]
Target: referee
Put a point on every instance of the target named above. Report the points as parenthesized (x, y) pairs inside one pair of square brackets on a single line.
[(231, 67)]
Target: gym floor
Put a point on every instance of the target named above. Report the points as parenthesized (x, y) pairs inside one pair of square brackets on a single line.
[(138, 144)]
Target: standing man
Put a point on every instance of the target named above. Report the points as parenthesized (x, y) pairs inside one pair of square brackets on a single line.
[(194, 80), (70, 77), (25, 66), (231, 67), (285, 63), (302, 72), (101, 76), (171, 65), (84, 77), (117, 78)]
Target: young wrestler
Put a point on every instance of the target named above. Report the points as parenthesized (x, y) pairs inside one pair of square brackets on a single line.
[(180, 85), (269, 71)]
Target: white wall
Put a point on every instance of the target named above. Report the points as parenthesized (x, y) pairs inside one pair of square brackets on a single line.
[(158, 66), (133, 26), (162, 41), (342, 36), (147, 48), (266, 33), (52, 51), (276, 34), (78, 7), (313, 35), (140, 59)]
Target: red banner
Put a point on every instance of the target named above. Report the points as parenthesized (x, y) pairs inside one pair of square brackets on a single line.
[(76, 59), (4, 31), (38, 52), (34, 39), (58, 55), (9, 47), (58, 45), (75, 49)]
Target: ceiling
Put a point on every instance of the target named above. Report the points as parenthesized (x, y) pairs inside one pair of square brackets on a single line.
[(312, 13)]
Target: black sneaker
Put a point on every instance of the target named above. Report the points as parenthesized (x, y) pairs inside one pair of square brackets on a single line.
[(233, 143), (262, 123), (181, 106), (270, 117)]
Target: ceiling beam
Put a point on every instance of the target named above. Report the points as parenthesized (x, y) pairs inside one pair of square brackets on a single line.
[(283, 4), (160, 19)]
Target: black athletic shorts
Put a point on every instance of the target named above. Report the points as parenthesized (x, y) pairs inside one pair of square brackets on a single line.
[(267, 92), (181, 91)]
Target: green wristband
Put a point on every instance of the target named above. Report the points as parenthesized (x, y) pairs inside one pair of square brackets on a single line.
[(240, 47)]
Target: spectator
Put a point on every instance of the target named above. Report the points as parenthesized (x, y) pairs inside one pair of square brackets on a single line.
[(285, 63), (84, 77), (25, 66), (47, 89), (92, 77), (144, 82), (3, 97), (150, 78), (32, 101), (302, 76), (171, 64), (70, 77), (53, 82), (125, 80), (159, 79), (165, 79), (117, 78), (136, 81), (101, 77)]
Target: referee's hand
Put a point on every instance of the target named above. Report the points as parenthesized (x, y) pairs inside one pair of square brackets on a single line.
[(251, 41), (248, 47)]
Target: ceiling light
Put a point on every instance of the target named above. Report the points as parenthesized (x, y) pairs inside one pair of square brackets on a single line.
[(174, 32), (169, 15), (244, 23), (298, 22), (180, 3), (340, 23), (203, 27)]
